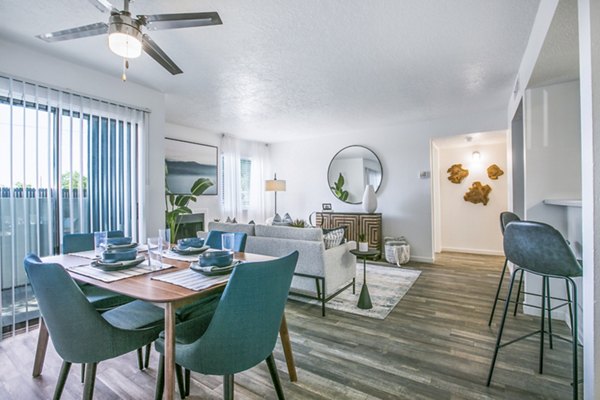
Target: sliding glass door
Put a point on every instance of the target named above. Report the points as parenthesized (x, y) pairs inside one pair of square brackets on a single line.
[(68, 164)]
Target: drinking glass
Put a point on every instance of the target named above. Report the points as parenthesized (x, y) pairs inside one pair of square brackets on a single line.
[(155, 250), (100, 243), (165, 235), (227, 241)]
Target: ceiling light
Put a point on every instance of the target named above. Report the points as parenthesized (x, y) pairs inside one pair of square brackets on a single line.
[(124, 36), (476, 156)]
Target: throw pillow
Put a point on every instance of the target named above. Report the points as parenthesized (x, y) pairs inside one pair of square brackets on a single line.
[(333, 238), (252, 222), (285, 221)]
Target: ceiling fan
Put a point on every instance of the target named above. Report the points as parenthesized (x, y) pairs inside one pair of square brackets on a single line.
[(125, 36)]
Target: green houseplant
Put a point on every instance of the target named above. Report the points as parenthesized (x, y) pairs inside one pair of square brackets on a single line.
[(363, 245), (338, 189), (177, 204)]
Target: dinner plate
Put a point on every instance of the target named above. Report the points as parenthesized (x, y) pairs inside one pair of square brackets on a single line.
[(117, 266), (189, 251), (212, 271)]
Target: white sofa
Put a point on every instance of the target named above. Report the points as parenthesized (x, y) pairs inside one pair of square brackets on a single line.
[(320, 273)]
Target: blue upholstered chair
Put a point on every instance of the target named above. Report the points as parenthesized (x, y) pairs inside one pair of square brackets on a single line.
[(539, 249), (243, 329), (76, 242), (80, 333), (213, 240)]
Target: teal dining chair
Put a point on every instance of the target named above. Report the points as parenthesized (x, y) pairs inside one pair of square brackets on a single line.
[(213, 240), (80, 333), (241, 332)]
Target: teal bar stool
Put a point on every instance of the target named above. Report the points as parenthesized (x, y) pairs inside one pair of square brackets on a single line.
[(506, 217), (80, 333), (243, 329), (539, 249)]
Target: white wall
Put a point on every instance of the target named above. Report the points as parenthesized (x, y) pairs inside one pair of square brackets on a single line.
[(210, 205), (404, 199), (468, 227), (17, 61), (552, 151)]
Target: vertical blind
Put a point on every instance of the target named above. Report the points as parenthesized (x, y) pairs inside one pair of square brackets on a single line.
[(69, 163)]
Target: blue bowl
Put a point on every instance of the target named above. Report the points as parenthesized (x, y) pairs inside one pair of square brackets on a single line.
[(116, 255), (118, 241), (190, 242), (219, 258)]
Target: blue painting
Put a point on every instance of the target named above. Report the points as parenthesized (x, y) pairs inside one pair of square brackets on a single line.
[(185, 162)]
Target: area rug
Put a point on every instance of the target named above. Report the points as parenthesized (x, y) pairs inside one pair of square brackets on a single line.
[(387, 286)]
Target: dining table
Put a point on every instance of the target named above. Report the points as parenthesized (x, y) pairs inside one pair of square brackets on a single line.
[(165, 295)]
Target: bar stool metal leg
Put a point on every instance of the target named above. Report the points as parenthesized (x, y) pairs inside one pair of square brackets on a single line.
[(498, 292), (541, 369), (570, 303), (501, 328), (549, 307), (518, 292)]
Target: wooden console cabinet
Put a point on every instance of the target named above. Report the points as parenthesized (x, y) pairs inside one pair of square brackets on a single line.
[(356, 223)]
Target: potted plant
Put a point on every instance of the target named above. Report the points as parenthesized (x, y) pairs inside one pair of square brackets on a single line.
[(363, 245), (338, 189), (177, 204)]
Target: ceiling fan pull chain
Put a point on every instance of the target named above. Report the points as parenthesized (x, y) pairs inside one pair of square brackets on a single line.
[(125, 68)]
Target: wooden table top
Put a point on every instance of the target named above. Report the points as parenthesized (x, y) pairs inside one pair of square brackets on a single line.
[(144, 288)]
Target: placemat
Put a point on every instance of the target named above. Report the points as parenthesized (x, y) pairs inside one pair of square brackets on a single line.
[(111, 276), (191, 280)]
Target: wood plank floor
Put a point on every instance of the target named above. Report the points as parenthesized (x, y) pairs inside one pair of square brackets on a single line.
[(434, 345)]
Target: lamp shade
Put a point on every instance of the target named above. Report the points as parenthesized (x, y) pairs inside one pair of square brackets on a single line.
[(275, 185)]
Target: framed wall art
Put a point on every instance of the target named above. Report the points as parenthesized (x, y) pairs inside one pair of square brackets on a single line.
[(186, 162)]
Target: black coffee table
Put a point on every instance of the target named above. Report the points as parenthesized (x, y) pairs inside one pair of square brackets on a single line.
[(364, 301)]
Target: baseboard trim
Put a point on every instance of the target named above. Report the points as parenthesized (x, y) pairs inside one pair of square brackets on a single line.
[(427, 260), (474, 251)]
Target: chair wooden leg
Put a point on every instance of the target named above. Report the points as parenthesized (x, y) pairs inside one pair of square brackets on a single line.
[(275, 377), (518, 294), (549, 306), (160, 378), (90, 381), (180, 382), (228, 387), (147, 358), (140, 359), (498, 292), (40, 351), (575, 340), (62, 378), (500, 329), (187, 382), (543, 314)]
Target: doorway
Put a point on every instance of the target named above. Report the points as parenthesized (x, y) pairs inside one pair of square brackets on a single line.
[(466, 208)]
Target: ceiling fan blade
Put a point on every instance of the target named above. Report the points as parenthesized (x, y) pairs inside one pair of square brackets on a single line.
[(184, 20), (98, 28), (152, 49), (104, 6)]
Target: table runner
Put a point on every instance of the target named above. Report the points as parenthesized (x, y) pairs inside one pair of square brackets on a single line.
[(191, 280), (111, 276)]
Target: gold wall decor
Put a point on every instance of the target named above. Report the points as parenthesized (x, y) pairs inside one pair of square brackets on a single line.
[(494, 172), (478, 193), (457, 173)]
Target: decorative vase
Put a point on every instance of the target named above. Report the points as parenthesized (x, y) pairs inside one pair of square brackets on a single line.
[(369, 201), (363, 246)]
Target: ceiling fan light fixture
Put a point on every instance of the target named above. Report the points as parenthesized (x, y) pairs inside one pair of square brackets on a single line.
[(124, 37)]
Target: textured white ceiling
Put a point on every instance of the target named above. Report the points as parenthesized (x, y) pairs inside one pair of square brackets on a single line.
[(282, 70), (559, 59)]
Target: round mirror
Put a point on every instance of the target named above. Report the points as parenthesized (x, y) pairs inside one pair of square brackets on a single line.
[(350, 170)]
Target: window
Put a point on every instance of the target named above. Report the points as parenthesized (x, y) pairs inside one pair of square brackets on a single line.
[(68, 164)]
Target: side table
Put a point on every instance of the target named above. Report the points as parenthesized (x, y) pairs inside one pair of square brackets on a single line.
[(364, 301)]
